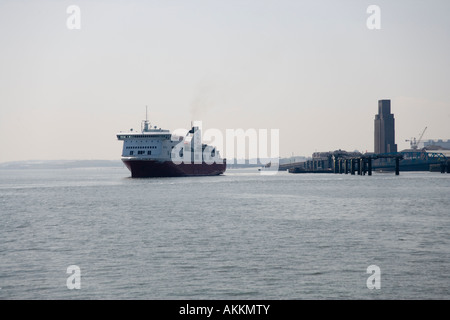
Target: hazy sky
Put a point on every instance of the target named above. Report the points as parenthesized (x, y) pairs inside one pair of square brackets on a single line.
[(311, 69)]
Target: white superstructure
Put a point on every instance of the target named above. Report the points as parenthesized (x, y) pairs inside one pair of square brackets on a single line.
[(151, 143)]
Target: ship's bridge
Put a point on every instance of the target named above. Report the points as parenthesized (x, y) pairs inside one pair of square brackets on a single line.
[(150, 143), (153, 133)]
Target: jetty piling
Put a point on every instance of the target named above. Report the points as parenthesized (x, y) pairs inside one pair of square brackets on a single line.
[(342, 162), (362, 165)]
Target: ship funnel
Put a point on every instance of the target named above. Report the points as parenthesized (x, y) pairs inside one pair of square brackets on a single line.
[(193, 130)]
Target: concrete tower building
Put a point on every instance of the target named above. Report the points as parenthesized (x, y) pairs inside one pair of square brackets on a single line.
[(384, 128)]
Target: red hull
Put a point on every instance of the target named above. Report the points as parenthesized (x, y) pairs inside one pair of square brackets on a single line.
[(152, 168)]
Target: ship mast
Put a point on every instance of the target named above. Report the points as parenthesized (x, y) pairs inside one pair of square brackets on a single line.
[(146, 123)]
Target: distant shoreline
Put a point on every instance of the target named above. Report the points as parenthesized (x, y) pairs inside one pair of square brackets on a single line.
[(60, 164)]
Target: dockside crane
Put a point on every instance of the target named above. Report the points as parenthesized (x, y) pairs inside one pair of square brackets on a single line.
[(415, 143)]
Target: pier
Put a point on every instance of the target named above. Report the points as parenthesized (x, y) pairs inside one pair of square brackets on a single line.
[(356, 163), (342, 162), (442, 167), (363, 164)]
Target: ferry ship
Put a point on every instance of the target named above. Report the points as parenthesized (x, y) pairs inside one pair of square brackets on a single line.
[(155, 152)]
